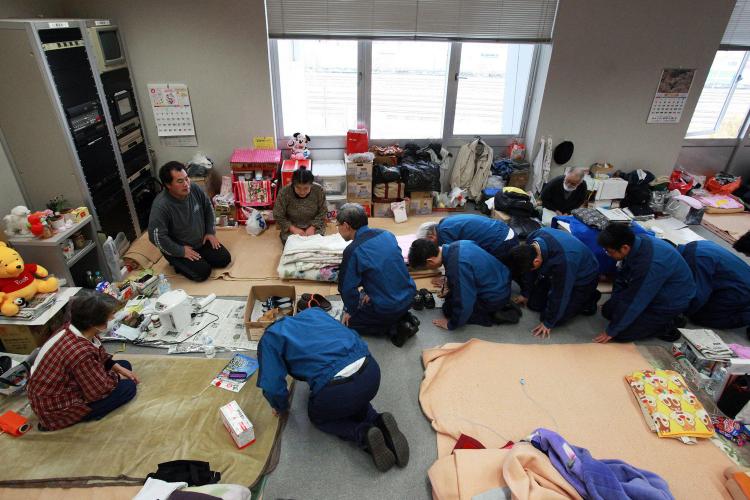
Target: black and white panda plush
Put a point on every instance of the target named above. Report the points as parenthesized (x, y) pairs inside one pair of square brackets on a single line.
[(298, 144)]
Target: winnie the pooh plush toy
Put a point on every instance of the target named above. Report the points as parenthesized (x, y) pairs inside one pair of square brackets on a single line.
[(19, 281)]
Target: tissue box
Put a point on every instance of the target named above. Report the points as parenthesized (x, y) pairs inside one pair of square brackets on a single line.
[(238, 425)]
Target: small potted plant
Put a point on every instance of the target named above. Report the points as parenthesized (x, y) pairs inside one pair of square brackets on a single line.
[(61, 212)]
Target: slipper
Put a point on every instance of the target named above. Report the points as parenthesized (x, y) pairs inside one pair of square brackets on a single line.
[(313, 300), (427, 298)]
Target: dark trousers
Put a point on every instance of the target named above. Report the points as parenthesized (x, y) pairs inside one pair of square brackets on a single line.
[(124, 392), (343, 409), (722, 314), (649, 323), (581, 298), (365, 321), (481, 315), (502, 251), (200, 270)]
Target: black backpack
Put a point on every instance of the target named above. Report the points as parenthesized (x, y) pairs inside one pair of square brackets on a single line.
[(515, 204)]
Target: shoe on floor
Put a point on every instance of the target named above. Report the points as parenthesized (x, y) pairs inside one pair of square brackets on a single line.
[(412, 319), (418, 303), (404, 331), (427, 298), (382, 457), (591, 308), (510, 313), (394, 438), (671, 335)]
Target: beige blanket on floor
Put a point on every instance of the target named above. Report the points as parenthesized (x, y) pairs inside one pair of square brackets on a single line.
[(728, 227), (576, 390), (523, 470), (172, 417)]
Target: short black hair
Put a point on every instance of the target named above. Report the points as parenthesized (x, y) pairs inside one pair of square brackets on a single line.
[(421, 250), (353, 214), (615, 235), (520, 260), (89, 308), (165, 172), (743, 244), (302, 176)]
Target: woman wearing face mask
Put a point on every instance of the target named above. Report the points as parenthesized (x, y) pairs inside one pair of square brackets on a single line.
[(74, 378), (565, 193), (301, 207)]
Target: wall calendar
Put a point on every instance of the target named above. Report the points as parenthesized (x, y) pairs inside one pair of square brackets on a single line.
[(671, 95), (172, 112)]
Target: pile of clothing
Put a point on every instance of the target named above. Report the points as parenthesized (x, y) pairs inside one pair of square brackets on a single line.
[(544, 465), (314, 258)]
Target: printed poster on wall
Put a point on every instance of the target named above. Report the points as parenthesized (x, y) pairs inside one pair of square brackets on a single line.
[(172, 112), (671, 95)]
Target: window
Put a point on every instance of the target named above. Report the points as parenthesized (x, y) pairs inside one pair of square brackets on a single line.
[(725, 99), (400, 90), (408, 89), (492, 88), (318, 86)]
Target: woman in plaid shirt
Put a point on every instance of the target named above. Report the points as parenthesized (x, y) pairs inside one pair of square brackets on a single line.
[(73, 377)]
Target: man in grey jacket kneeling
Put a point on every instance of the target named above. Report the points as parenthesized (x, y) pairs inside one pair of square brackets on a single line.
[(182, 225)]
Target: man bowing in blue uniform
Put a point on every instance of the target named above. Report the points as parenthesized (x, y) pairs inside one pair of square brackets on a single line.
[(374, 261), (722, 280), (494, 236), (478, 285), (343, 378), (652, 289), (558, 276)]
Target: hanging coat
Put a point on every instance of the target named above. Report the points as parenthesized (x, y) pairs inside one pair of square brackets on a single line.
[(471, 170)]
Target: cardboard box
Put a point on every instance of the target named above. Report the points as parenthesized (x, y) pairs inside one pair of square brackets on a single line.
[(365, 202), (382, 210), (238, 425), (22, 339), (358, 189), (359, 171), (420, 205), (262, 292)]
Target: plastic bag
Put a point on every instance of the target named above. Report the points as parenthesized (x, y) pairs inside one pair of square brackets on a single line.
[(681, 181), (723, 183), (198, 165), (255, 224), (356, 141), (517, 150), (382, 174), (399, 211), (457, 197), (420, 175)]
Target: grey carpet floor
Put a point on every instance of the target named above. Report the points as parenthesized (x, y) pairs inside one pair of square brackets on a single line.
[(317, 466)]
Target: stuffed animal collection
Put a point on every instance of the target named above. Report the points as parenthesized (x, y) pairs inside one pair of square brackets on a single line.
[(19, 282), (298, 144), (15, 222)]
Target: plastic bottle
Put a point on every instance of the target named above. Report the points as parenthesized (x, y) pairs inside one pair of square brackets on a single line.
[(164, 285), (90, 279), (715, 382), (98, 278), (208, 346)]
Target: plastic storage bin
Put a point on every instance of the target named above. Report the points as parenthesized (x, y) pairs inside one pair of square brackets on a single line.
[(331, 174), (334, 203)]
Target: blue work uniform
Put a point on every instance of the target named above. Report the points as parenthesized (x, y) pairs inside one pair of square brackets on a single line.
[(653, 286), (490, 234), (478, 284), (374, 261), (722, 279), (314, 347), (565, 284)]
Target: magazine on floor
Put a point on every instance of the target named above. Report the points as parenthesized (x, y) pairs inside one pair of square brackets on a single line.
[(234, 376)]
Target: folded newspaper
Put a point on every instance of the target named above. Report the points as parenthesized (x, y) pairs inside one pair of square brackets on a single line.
[(36, 306)]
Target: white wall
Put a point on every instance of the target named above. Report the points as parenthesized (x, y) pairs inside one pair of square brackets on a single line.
[(606, 62), (219, 49)]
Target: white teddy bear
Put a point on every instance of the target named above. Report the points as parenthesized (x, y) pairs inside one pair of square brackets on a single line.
[(16, 223)]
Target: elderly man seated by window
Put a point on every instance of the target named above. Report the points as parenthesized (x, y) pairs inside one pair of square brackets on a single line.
[(565, 193)]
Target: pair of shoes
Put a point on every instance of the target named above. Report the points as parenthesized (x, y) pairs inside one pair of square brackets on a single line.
[(423, 299), (411, 318), (308, 300), (394, 438), (405, 330), (276, 302), (382, 456), (510, 313), (591, 308)]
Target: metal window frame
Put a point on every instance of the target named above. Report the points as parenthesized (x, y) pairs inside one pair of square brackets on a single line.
[(364, 101), (717, 124)]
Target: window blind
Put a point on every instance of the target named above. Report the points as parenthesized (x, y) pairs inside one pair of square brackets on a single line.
[(479, 20), (737, 34)]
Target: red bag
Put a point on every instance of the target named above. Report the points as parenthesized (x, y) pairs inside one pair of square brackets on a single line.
[(356, 141), (716, 187), (681, 181)]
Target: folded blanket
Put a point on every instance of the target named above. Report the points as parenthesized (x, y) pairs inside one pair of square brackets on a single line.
[(315, 258)]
